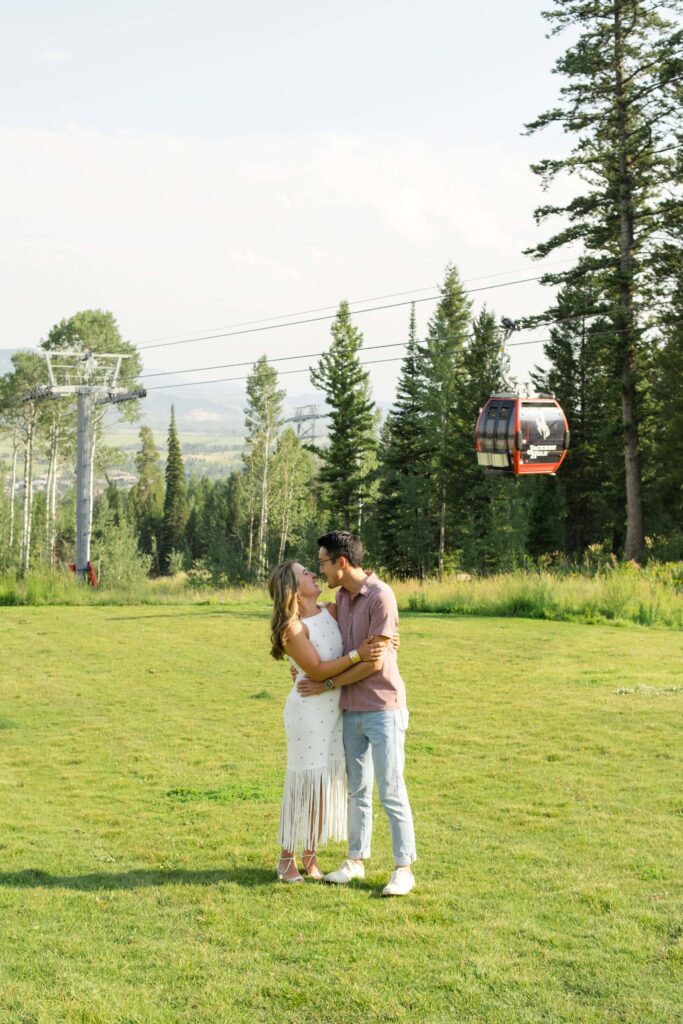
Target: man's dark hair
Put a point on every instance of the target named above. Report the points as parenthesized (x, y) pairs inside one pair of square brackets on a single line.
[(341, 542)]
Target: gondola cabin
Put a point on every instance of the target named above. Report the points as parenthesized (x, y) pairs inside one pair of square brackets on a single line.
[(517, 436)]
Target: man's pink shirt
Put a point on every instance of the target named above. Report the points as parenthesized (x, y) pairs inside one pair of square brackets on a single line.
[(372, 611)]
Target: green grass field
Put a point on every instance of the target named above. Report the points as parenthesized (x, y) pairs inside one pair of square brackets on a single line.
[(142, 756)]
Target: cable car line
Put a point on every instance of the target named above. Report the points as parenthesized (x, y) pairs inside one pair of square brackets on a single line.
[(301, 312), (331, 316), (366, 348), (250, 362), (290, 323), (283, 373), (321, 309), (283, 359), (314, 355), (544, 323)]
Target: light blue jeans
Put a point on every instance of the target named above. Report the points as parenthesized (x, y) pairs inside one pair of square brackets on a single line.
[(376, 740)]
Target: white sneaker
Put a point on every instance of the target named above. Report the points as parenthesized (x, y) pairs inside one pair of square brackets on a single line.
[(349, 869), (400, 883)]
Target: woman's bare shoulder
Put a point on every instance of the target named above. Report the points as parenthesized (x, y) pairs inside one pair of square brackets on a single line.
[(294, 629)]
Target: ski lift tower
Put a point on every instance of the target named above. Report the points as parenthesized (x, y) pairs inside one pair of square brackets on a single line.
[(305, 417), (93, 378)]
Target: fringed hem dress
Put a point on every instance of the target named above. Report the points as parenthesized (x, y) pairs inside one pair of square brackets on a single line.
[(314, 800)]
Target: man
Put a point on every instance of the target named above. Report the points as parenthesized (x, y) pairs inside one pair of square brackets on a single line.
[(375, 712)]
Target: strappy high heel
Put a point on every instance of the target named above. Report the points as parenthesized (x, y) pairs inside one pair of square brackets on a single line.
[(286, 861), (311, 868)]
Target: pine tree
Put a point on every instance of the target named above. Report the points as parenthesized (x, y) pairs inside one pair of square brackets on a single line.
[(175, 500), (147, 497), (442, 358), (198, 494), (491, 529), (667, 487), (621, 102), (348, 460), (583, 375), (222, 527), (402, 532), (263, 419), (117, 505)]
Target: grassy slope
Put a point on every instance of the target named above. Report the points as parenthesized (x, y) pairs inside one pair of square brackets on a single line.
[(548, 810)]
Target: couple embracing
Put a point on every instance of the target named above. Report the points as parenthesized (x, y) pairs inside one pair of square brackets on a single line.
[(346, 716)]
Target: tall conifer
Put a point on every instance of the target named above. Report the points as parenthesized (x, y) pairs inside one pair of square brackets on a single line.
[(442, 359), (147, 496), (175, 499), (401, 528), (621, 102), (347, 461), (667, 488), (490, 527), (583, 375)]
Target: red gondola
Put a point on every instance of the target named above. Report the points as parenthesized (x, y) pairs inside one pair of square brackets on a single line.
[(516, 436)]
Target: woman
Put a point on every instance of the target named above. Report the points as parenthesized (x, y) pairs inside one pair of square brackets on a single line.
[(314, 800)]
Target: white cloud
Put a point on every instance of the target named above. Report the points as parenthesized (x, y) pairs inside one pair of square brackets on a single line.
[(178, 234), (54, 56)]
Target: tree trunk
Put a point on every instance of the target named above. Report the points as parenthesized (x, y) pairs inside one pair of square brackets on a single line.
[(51, 469), (578, 536), (286, 504), (250, 532), (52, 501), (263, 522), (48, 492), (626, 328), (284, 529), (93, 448), (28, 496), (12, 507), (442, 528)]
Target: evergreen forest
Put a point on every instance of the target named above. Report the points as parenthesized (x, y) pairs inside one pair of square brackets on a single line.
[(409, 482)]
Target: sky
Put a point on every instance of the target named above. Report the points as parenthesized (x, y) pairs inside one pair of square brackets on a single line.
[(194, 166)]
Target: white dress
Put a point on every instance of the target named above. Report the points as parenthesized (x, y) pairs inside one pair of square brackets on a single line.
[(315, 753)]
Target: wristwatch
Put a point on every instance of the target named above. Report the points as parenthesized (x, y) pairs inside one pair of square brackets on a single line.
[(329, 684)]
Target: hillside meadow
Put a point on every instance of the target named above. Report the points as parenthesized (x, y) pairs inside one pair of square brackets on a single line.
[(616, 593), (142, 756)]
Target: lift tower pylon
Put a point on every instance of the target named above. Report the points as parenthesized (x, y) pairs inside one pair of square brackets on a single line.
[(306, 417), (92, 378)]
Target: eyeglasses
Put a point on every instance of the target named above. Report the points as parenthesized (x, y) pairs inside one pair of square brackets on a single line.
[(321, 564)]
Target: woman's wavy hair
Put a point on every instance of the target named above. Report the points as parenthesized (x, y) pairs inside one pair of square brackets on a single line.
[(284, 590)]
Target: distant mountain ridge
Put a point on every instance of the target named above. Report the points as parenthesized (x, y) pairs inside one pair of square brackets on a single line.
[(199, 408), (209, 418)]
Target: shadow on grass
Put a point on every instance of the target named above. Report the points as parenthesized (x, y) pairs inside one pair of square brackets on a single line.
[(225, 610), (250, 878), (98, 881)]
